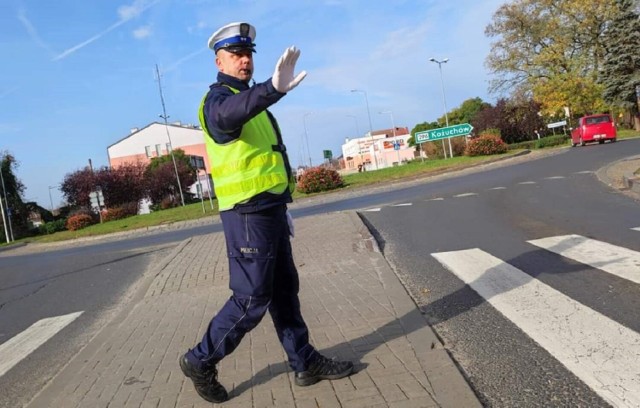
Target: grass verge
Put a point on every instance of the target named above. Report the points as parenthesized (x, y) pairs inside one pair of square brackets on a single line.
[(411, 170)]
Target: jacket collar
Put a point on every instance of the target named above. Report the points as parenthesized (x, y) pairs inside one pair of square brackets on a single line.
[(232, 82)]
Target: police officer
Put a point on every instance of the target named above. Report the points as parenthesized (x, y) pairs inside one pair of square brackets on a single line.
[(253, 183)]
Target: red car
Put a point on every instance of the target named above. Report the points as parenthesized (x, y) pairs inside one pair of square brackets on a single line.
[(593, 128)]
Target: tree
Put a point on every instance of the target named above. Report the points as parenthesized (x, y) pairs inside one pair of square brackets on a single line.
[(161, 180), (13, 190), (466, 112), (551, 50), (620, 74), (77, 186), (517, 120), (122, 185)]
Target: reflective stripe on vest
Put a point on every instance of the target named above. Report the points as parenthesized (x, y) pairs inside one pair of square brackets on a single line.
[(248, 165)]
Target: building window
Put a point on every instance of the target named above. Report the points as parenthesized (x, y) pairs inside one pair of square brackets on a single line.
[(147, 150), (168, 147), (159, 150)]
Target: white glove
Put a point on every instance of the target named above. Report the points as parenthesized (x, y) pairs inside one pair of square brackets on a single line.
[(283, 79), (290, 222)]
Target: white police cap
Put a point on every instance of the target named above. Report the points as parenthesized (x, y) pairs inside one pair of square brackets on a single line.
[(233, 37)]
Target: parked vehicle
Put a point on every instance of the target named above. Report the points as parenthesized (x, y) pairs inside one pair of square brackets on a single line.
[(593, 128)]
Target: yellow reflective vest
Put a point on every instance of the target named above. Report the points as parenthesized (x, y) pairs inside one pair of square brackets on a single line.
[(248, 165)]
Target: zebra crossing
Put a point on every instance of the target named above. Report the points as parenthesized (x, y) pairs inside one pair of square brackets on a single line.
[(603, 353), (26, 342)]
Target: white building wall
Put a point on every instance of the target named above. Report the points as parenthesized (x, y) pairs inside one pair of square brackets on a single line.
[(155, 134)]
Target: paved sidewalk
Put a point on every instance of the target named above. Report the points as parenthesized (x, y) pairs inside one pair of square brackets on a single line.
[(354, 305)]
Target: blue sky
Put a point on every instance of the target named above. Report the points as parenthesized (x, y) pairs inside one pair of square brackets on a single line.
[(77, 75)]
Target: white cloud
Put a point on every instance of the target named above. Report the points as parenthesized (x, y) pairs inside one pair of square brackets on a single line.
[(142, 32), (31, 30), (126, 13), (134, 9)]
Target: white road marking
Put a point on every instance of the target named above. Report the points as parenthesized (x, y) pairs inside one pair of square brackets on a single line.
[(24, 343), (601, 352), (528, 182), (554, 178), (584, 172), (372, 210), (616, 260), (402, 205), (498, 188), (466, 195), (636, 229), (436, 199)]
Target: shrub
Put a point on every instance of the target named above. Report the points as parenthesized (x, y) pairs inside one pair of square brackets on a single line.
[(485, 145), (79, 221), (551, 141), (319, 179), (52, 227), (491, 131), (529, 144), (117, 213)]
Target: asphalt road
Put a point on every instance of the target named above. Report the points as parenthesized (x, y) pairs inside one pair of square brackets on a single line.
[(99, 278), (497, 213), (90, 280)]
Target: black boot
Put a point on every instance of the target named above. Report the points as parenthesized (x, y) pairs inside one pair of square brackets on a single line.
[(205, 381), (324, 369)]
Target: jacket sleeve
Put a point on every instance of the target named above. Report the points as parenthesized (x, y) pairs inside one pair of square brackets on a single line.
[(226, 112)]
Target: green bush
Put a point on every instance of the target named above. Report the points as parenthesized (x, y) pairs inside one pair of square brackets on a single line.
[(529, 144), (551, 141), (319, 179), (485, 145), (52, 227), (491, 131)]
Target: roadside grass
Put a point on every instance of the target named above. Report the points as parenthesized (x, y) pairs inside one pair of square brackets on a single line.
[(414, 169), (627, 134), (164, 217)]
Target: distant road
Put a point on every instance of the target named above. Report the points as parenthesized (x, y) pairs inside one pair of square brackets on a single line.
[(530, 275), (71, 292)]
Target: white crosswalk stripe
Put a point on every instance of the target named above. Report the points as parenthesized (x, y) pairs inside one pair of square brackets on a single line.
[(604, 354), (616, 260), (23, 344), (636, 229)]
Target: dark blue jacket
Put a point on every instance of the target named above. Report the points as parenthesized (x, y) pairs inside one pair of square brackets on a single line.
[(226, 113)]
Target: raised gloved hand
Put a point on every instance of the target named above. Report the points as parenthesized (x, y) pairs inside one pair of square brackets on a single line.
[(283, 79)]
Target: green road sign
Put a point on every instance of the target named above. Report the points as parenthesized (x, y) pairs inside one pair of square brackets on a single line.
[(443, 133)]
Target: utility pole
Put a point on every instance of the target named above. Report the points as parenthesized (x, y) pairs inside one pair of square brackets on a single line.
[(4, 222), (166, 126), (366, 99), (306, 135), (7, 205)]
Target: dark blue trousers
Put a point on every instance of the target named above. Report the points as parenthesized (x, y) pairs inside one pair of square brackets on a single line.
[(263, 277)]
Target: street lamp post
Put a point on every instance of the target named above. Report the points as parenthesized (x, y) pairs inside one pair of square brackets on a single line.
[(51, 199), (444, 100), (395, 141), (375, 159), (358, 137), (306, 136)]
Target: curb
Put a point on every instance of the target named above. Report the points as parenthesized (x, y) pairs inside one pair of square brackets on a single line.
[(12, 246), (66, 373), (448, 381)]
